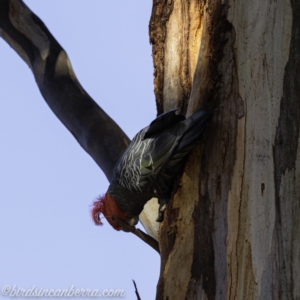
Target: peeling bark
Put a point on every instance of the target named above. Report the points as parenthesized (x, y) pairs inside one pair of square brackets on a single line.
[(157, 31)]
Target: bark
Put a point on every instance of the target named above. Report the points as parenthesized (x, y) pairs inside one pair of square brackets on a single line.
[(94, 130), (231, 230)]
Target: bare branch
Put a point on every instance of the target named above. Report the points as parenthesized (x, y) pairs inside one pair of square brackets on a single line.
[(139, 233), (94, 130)]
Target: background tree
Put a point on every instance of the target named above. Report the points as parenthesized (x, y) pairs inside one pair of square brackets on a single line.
[(231, 230)]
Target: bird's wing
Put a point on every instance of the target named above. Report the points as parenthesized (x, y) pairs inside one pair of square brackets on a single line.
[(140, 164), (162, 122), (158, 156)]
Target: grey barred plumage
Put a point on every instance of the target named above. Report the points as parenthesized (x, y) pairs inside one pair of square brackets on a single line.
[(149, 165), (127, 172)]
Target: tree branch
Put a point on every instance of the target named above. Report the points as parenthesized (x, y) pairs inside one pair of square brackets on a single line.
[(139, 233), (136, 290), (94, 130)]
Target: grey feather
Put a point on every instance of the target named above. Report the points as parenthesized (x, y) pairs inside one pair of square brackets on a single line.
[(154, 157)]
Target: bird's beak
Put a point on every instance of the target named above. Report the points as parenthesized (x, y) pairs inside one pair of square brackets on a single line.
[(126, 226), (130, 224), (133, 221)]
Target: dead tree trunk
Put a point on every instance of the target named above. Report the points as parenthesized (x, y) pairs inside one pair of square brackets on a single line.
[(232, 229)]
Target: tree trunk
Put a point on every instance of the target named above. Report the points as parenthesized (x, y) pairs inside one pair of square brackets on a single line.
[(231, 230)]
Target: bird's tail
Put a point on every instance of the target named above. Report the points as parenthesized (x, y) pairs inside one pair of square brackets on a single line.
[(195, 126)]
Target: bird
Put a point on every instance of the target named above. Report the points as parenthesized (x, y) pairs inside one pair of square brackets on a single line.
[(148, 168)]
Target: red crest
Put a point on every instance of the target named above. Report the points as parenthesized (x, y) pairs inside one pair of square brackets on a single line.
[(108, 206)]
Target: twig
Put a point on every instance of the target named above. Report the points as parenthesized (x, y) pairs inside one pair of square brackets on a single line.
[(136, 291), (139, 233)]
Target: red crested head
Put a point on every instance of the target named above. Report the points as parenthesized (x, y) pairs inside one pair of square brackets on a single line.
[(108, 206)]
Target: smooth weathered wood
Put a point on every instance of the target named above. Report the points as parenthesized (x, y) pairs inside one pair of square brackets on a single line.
[(263, 39)]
